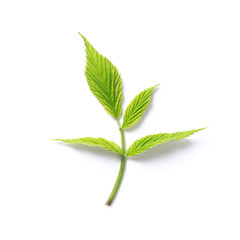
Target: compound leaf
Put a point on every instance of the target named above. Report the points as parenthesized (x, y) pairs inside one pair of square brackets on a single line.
[(104, 80), (150, 141), (137, 107), (95, 142)]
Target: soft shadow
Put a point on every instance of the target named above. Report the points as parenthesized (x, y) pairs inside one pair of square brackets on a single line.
[(138, 123), (159, 152), (100, 152)]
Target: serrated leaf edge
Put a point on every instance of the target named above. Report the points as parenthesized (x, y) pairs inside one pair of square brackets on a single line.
[(114, 147), (131, 109), (167, 140)]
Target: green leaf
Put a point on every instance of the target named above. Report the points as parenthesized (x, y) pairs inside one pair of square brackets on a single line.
[(95, 142), (150, 141), (137, 107), (104, 80)]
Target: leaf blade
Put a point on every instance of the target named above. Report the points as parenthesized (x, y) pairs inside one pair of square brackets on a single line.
[(104, 80), (94, 142), (150, 141), (137, 107)]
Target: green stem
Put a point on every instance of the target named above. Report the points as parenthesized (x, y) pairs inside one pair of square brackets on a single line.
[(121, 170)]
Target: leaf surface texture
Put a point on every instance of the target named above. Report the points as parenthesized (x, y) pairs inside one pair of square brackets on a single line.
[(137, 107), (95, 142), (104, 80), (150, 141)]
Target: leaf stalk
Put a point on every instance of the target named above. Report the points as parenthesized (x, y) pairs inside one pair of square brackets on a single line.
[(121, 170)]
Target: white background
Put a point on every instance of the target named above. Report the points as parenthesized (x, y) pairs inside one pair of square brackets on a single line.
[(181, 190)]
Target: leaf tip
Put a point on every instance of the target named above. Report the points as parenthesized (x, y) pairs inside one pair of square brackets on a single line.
[(82, 36), (154, 87), (201, 128)]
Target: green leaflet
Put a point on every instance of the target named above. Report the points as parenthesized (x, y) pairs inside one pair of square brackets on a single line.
[(104, 80), (95, 142), (106, 85), (150, 141), (137, 107)]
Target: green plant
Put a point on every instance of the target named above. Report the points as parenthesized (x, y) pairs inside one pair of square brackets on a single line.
[(106, 85)]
